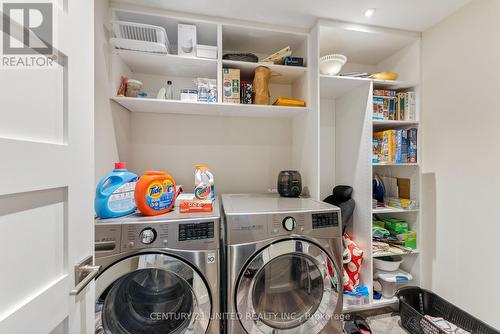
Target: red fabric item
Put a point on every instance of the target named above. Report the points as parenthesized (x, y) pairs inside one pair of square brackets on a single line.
[(353, 260)]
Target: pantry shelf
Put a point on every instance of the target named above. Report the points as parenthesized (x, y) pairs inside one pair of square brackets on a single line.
[(167, 64), (335, 86), (382, 254), (380, 125), (280, 74), (393, 84), (396, 164), (383, 302), (392, 210), (145, 105)]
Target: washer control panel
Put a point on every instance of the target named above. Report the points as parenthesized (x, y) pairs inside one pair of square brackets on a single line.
[(325, 220), (196, 231), (137, 236)]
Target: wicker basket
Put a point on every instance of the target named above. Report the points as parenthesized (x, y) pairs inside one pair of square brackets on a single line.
[(414, 303)]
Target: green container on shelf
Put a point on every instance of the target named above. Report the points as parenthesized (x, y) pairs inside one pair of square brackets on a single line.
[(409, 238), (396, 226)]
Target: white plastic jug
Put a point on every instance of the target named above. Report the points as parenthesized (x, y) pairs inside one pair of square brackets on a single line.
[(203, 183)]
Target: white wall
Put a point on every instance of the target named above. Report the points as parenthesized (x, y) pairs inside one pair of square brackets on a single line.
[(245, 154), (461, 181), (112, 122)]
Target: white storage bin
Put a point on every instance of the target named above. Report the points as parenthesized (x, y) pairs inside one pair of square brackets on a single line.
[(139, 37), (206, 51), (186, 39)]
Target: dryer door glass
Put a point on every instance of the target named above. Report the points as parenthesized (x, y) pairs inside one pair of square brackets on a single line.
[(151, 293), (287, 287), (287, 291)]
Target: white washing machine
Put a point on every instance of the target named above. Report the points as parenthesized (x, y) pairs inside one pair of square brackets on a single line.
[(283, 258), (159, 274)]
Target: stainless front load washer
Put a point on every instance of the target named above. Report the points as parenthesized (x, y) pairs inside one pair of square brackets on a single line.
[(159, 274), (283, 259)]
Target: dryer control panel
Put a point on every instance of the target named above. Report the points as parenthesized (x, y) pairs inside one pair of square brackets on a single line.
[(325, 220)]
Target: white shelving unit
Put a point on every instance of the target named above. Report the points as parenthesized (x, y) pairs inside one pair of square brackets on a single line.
[(329, 141), (347, 125), (155, 69)]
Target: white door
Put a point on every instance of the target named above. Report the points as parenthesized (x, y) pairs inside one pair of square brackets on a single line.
[(46, 165)]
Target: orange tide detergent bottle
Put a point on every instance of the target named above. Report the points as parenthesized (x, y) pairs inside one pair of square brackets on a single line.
[(155, 193)]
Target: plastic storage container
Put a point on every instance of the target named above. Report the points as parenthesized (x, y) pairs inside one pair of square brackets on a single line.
[(114, 195), (390, 281), (415, 303), (206, 51), (155, 193)]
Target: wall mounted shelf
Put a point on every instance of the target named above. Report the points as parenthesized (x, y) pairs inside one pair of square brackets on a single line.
[(167, 64), (280, 74), (145, 105)]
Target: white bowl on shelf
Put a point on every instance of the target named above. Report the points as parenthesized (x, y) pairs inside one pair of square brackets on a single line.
[(384, 264), (331, 64)]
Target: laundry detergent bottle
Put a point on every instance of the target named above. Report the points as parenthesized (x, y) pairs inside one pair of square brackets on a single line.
[(114, 195), (155, 193), (203, 183)]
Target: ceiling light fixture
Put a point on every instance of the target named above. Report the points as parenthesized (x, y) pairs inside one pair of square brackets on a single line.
[(370, 11)]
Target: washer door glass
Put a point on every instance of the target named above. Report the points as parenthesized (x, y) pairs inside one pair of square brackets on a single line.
[(148, 301), (288, 287), (151, 293)]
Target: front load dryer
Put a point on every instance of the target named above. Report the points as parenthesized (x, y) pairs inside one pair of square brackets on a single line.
[(283, 262)]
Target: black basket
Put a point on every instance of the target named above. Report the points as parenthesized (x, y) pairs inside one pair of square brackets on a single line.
[(414, 303)]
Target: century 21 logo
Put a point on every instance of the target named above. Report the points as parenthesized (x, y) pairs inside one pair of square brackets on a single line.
[(28, 27)]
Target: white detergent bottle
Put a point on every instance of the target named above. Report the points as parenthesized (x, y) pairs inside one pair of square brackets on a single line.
[(203, 183)]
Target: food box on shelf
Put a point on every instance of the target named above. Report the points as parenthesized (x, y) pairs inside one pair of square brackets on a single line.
[(231, 85)]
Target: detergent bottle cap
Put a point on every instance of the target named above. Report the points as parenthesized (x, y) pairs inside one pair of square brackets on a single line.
[(120, 165), (201, 166)]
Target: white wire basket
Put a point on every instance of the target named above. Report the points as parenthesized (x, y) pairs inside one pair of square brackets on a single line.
[(139, 37)]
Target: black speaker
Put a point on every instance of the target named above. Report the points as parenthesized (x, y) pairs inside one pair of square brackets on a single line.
[(289, 183)]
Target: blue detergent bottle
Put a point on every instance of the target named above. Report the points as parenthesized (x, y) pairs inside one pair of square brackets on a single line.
[(114, 195)]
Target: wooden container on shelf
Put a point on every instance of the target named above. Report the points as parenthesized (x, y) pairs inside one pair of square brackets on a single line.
[(261, 85)]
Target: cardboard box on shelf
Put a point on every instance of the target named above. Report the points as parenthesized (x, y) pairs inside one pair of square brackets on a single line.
[(231, 85)]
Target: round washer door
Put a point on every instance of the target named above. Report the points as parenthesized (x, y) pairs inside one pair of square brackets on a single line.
[(151, 293), (287, 288)]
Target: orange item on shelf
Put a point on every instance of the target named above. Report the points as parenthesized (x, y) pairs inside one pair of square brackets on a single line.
[(155, 193), (284, 101), (190, 206)]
